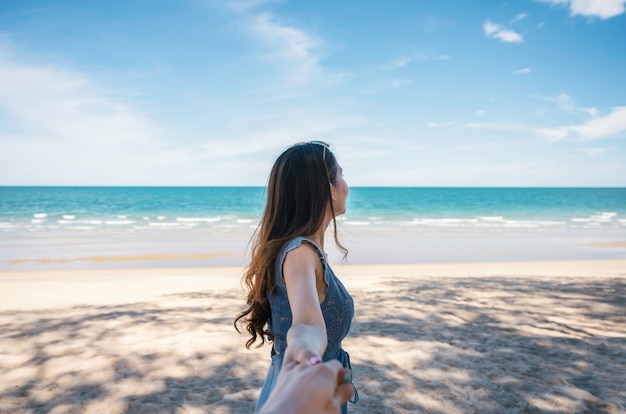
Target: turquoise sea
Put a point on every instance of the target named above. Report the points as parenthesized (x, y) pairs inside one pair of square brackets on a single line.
[(106, 226)]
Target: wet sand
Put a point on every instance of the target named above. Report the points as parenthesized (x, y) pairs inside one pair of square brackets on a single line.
[(528, 337)]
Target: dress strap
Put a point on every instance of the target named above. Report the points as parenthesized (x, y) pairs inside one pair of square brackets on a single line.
[(322, 254)]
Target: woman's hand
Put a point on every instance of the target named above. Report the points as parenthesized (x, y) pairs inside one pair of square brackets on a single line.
[(304, 344), (305, 388)]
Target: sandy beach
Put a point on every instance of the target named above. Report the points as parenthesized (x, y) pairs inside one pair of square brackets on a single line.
[(529, 337)]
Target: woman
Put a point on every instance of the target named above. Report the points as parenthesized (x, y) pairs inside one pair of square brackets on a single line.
[(294, 298)]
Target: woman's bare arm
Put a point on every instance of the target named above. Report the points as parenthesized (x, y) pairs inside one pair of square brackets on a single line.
[(306, 338)]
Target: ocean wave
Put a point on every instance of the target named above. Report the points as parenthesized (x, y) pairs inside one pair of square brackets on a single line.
[(490, 218), (484, 221), (227, 226), (173, 224), (37, 221), (604, 217), (443, 221), (198, 219), (119, 222), (68, 217), (358, 223), (40, 215), (83, 228), (79, 221)]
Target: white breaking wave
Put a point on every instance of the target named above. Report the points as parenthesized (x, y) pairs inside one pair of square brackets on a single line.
[(69, 217), (491, 218), (40, 215), (444, 221), (72, 221), (604, 217), (484, 221), (119, 222), (172, 224), (358, 223), (198, 220)]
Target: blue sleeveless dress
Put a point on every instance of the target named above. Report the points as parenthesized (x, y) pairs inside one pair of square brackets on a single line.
[(337, 309)]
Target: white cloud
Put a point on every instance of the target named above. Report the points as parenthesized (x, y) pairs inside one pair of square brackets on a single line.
[(523, 71), (480, 112), (594, 152), (63, 104), (244, 5), (509, 36), (60, 127), (399, 63), (498, 32), (390, 84), (596, 128), (603, 9), (562, 101), (404, 61), (288, 42), (591, 111), (496, 126), (491, 28), (430, 23), (520, 16), (288, 46)]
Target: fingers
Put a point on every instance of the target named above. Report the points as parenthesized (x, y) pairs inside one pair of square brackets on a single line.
[(345, 376), (325, 381), (345, 392), (345, 389), (302, 357)]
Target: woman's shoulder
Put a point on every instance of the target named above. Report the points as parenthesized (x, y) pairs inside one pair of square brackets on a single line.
[(294, 242), (299, 241)]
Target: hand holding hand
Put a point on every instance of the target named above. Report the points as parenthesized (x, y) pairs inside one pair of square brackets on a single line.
[(305, 388), (300, 354)]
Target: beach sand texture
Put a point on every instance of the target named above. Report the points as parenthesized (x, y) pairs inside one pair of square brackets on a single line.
[(451, 338)]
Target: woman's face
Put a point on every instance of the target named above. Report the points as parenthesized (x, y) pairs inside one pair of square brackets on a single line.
[(339, 191)]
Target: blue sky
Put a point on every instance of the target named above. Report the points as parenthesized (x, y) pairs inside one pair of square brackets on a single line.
[(409, 93)]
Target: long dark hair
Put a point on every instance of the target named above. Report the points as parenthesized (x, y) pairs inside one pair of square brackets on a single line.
[(298, 195)]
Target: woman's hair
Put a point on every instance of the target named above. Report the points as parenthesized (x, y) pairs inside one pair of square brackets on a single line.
[(298, 195)]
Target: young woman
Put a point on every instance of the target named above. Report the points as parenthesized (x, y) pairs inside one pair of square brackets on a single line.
[(294, 298)]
